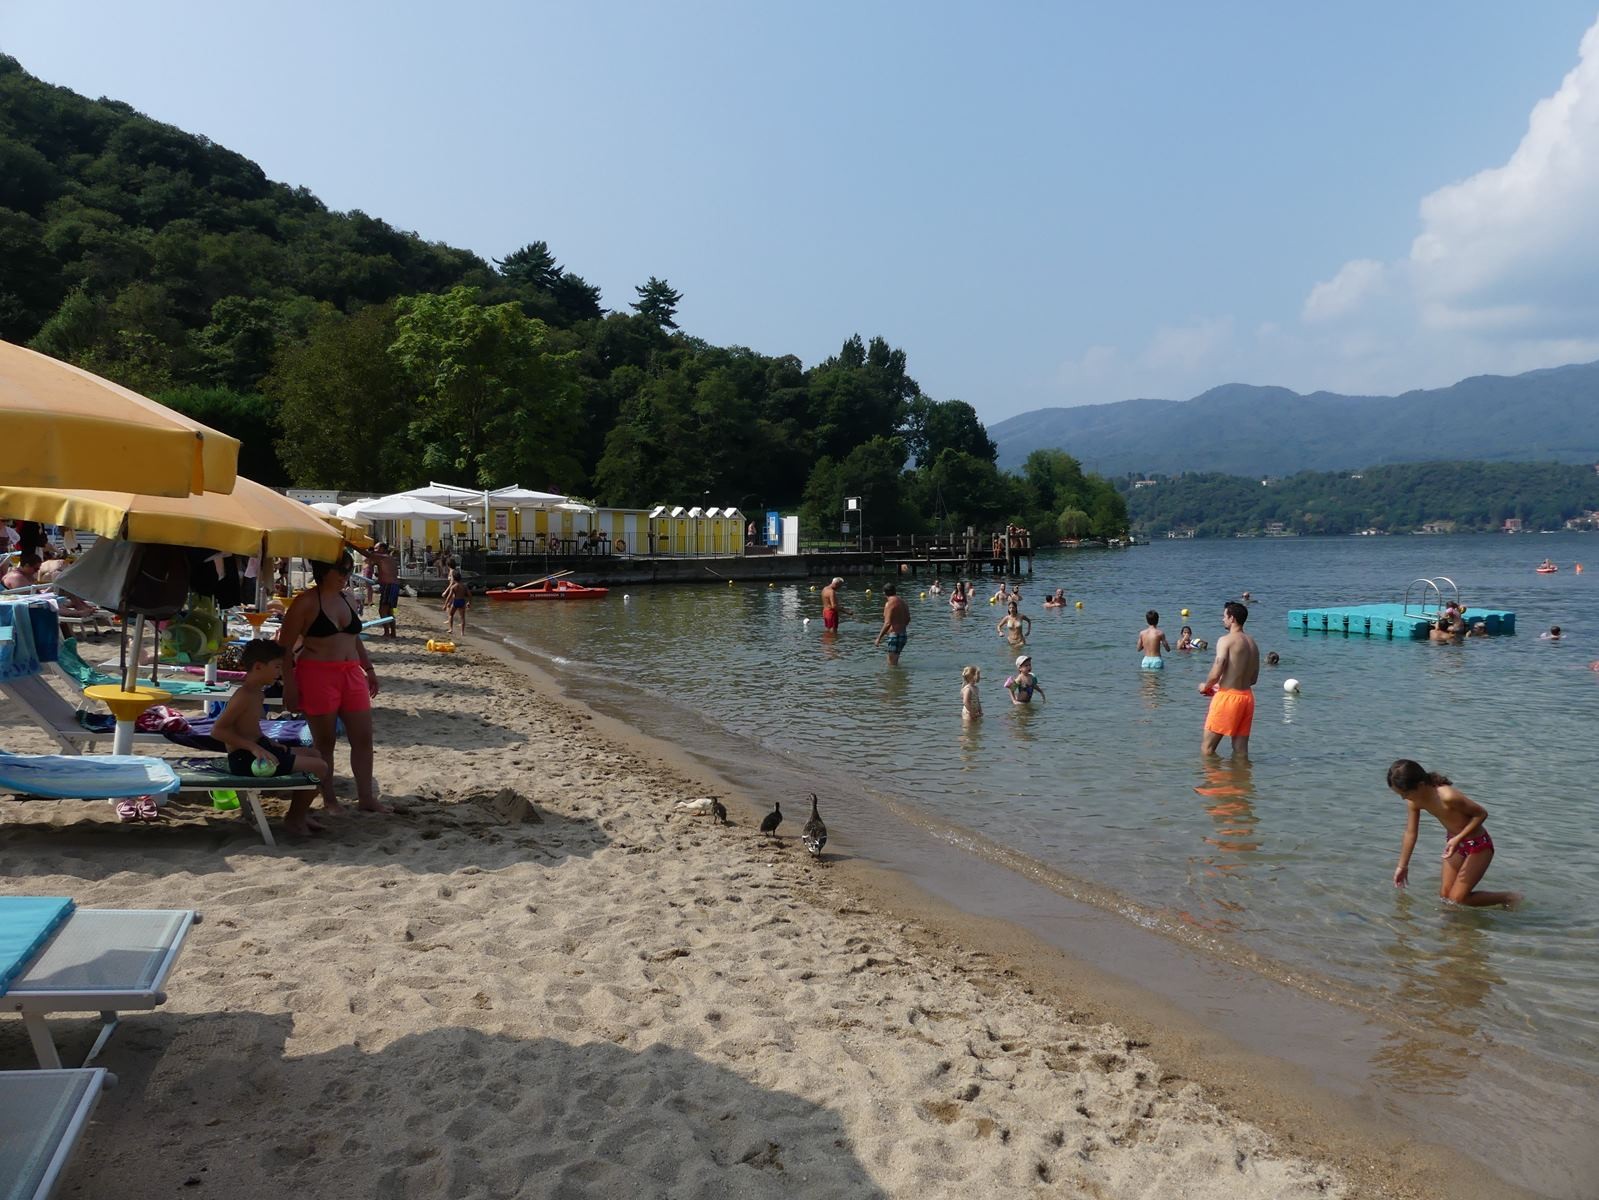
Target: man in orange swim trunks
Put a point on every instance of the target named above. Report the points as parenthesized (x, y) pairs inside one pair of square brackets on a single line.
[(1237, 667)]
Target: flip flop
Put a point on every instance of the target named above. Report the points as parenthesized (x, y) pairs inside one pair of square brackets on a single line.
[(148, 810), (127, 810)]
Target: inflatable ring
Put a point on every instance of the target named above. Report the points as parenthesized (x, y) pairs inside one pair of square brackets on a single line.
[(620, 546)]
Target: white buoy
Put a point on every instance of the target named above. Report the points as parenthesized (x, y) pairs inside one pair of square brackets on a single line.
[(1291, 685), (807, 621), (625, 597)]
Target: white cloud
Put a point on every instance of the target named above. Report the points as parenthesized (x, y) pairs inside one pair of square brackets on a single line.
[(1513, 251), (1341, 295)]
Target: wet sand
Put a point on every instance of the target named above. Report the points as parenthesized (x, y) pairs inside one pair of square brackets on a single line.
[(535, 979)]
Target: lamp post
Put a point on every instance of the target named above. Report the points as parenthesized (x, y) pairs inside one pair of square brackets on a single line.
[(852, 504)]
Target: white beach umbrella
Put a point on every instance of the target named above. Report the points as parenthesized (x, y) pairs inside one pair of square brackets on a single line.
[(326, 508), (402, 508)]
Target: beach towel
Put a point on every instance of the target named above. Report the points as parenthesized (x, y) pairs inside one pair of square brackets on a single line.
[(85, 776), (26, 924)]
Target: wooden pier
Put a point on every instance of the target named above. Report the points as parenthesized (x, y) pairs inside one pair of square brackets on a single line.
[(910, 554)]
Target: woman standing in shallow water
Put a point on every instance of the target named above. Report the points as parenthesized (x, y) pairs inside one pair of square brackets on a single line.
[(332, 679), (1467, 852)]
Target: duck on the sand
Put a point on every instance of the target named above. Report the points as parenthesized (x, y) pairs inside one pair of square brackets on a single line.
[(718, 812), (814, 836), (772, 820)]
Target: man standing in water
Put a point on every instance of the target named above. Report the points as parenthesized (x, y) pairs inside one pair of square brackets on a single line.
[(1151, 640), (1237, 667), (387, 572), (830, 609), (896, 625)]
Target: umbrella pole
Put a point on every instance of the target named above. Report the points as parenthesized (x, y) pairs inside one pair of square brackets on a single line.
[(130, 669)]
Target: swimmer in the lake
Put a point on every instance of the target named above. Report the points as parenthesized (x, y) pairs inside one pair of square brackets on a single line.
[(1552, 636), (1468, 851)]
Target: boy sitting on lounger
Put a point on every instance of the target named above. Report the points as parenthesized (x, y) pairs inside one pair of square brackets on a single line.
[(239, 729)]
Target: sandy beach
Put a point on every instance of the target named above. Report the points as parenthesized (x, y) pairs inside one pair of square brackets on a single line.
[(535, 980)]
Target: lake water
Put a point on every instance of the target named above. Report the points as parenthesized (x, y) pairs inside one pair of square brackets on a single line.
[(1285, 865)]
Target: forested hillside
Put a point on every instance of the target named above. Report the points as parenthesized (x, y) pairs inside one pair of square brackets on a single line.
[(1450, 495), (1542, 416), (349, 354)]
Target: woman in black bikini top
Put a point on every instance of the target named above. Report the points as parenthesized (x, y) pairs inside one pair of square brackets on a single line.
[(332, 680), (323, 626)]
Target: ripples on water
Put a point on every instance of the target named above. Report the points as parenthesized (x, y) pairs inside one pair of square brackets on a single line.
[(1292, 857)]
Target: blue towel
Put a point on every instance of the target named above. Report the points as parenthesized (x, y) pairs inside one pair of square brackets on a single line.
[(85, 776), (26, 924), (20, 656)]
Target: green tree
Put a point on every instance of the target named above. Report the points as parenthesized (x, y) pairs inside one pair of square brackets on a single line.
[(1074, 523), (253, 419), (492, 403), (933, 426), (657, 302), (345, 407)]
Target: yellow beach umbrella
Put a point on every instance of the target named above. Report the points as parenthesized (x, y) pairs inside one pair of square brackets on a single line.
[(237, 523), (65, 428), (353, 532)]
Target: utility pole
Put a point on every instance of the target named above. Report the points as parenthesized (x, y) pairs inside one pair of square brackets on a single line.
[(852, 504)]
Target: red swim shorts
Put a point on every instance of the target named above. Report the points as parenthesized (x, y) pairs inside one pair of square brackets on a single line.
[(1232, 712), (830, 619), (331, 687)]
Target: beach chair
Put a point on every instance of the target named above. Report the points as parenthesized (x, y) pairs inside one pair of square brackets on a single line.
[(42, 1115), (73, 666), (58, 958), (53, 713), (114, 777)]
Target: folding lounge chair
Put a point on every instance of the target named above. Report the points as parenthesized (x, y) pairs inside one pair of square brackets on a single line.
[(49, 710), (80, 672), (104, 960), (42, 1115), (212, 774), (112, 777)]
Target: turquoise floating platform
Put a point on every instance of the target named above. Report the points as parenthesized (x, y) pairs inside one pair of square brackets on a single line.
[(1389, 620)]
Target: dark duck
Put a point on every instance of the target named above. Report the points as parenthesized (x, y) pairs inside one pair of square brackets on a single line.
[(814, 835), (772, 820)]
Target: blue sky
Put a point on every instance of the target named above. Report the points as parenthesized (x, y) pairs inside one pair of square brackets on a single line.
[(1043, 204)]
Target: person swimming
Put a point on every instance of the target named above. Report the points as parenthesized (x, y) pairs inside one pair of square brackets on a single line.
[(1058, 600)]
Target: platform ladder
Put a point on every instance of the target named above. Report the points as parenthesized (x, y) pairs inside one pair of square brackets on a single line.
[(1430, 587)]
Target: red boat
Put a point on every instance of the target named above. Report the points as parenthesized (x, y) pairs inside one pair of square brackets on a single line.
[(550, 589)]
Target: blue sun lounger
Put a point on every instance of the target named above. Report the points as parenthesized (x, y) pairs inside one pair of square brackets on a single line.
[(42, 1115), (58, 958), (118, 776)]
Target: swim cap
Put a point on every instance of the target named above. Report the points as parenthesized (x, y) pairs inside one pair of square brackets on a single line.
[(1023, 658)]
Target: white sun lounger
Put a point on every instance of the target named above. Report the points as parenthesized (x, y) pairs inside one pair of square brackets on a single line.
[(42, 1115), (53, 713), (104, 960)]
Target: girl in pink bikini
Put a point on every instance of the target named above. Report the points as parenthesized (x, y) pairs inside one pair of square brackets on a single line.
[(1467, 852)]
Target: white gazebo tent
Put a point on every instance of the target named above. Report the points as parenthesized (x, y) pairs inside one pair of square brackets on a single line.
[(488, 499)]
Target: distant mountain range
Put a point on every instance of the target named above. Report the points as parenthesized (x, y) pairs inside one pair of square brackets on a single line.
[(1548, 416)]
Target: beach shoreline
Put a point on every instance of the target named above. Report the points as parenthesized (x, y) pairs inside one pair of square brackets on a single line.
[(612, 998), (1331, 1121)]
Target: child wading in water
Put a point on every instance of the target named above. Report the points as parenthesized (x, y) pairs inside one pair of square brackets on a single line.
[(456, 597), (239, 729), (1469, 850), (971, 701), (1024, 683)]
